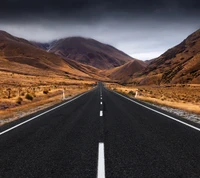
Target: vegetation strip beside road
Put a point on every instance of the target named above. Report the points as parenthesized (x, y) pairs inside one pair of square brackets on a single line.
[(180, 100), (38, 102)]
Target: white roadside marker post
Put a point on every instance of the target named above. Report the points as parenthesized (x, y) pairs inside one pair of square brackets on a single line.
[(63, 94), (136, 93)]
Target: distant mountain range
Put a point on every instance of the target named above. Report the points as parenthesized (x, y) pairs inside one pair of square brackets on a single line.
[(88, 58), (21, 56), (87, 51)]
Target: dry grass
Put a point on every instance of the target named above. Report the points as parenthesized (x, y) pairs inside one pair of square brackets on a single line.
[(186, 97), (24, 94)]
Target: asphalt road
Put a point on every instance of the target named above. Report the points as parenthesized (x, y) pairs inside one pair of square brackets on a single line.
[(100, 134)]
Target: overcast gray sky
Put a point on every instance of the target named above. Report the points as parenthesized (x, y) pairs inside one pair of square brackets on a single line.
[(142, 29)]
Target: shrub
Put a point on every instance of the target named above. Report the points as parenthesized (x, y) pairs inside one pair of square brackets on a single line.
[(19, 100), (29, 97), (45, 91), (131, 93), (9, 92)]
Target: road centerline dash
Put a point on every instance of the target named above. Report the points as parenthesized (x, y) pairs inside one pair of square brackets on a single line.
[(101, 113), (101, 161)]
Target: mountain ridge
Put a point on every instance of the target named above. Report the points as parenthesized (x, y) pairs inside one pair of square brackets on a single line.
[(124, 72), (179, 64), (91, 52), (21, 56)]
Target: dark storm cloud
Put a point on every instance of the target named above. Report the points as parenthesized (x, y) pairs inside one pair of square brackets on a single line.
[(143, 29), (86, 9)]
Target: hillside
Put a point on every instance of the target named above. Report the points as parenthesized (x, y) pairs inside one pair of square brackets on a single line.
[(44, 46), (124, 72), (180, 64), (21, 56), (86, 58), (90, 52)]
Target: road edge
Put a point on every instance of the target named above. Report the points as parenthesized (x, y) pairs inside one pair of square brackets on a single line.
[(21, 121), (161, 112)]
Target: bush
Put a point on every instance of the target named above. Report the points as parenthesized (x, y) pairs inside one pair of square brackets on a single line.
[(131, 93), (19, 100), (45, 91), (29, 97)]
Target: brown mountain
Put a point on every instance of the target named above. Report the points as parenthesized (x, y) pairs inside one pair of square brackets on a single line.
[(180, 64), (21, 56), (124, 72), (90, 52), (44, 46)]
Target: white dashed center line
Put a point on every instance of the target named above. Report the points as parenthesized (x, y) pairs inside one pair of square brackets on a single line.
[(101, 113), (101, 162), (101, 159)]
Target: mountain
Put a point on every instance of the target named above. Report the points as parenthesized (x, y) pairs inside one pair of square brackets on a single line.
[(180, 64), (18, 55), (148, 61), (87, 58), (44, 46), (90, 52), (124, 72)]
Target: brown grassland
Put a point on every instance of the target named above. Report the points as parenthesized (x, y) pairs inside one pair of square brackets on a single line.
[(21, 95), (185, 97)]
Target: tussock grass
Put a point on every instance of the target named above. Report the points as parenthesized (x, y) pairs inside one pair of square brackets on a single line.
[(23, 94), (185, 97)]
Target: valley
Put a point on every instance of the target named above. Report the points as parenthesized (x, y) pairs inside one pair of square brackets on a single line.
[(40, 72)]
